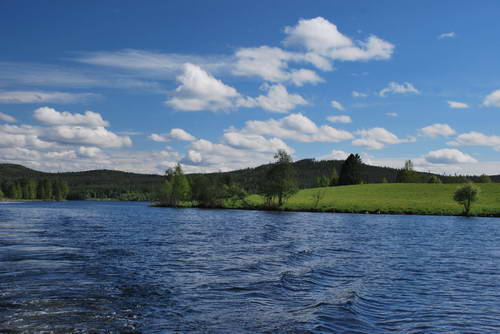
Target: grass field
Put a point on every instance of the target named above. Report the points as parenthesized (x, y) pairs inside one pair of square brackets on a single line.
[(410, 198)]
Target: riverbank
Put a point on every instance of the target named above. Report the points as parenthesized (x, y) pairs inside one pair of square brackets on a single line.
[(391, 198)]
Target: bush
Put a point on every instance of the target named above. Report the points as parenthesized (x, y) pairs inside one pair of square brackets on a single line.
[(466, 195)]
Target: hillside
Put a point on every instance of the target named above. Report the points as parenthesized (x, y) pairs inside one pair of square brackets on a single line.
[(90, 184), (114, 184), (398, 198)]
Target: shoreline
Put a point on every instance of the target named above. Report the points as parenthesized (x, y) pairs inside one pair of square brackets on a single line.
[(312, 210)]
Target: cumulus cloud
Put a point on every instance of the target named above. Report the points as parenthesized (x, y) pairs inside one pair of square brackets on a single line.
[(321, 37), (15, 97), (7, 118), (79, 135), (378, 138), (199, 90), (50, 116), (448, 156), (206, 156), (340, 119), (297, 127), (255, 142), (457, 105), (357, 94), (271, 64), (493, 99), (476, 139), (436, 130), (89, 152), (397, 88), (174, 134), (447, 35), (335, 155), (277, 100), (337, 105)]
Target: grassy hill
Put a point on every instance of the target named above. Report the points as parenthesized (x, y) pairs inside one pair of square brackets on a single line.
[(414, 198)]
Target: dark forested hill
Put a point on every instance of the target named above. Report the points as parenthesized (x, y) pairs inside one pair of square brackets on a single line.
[(123, 185), (92, 184)]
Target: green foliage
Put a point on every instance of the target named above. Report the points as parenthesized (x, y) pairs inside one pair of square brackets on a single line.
[(407, 174), (322, 181), (334, 177), (384, 180), (280, 181), (484, 179), (351, 170), (434, 179), (31, 189), (466, 195), (176, 188)]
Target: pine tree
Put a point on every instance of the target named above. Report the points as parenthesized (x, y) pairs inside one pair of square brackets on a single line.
[(351, 170)]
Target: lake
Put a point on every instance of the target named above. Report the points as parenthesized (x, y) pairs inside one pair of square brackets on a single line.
[(122, 267)]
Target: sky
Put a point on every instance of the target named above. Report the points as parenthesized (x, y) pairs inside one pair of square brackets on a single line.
[(222, 85)]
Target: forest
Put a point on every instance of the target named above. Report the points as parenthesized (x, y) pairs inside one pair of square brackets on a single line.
[(18, 182)]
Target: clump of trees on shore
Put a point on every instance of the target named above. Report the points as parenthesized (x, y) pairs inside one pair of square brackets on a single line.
[(33, 189)]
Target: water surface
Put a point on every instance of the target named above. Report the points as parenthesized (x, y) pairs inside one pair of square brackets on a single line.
[(118, 267)]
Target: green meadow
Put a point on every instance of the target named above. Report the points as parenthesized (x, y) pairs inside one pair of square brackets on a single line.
[(391, 198)]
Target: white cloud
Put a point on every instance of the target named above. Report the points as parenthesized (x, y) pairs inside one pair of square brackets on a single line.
[(335, 155), (174, 134), (436, 130), (255, 142), (397, 88), (79, 135), (201, 91), (321, 37), (447, 35), (271, 64), (7, 118), (457, 105), (337, 105), (493, 99), (297, 127), (89, 152), (392, 114), (14, 97), (340, 119), (277, 100), (448, 156), (50, 116), (476, 139), (378, 138), (357, 94)]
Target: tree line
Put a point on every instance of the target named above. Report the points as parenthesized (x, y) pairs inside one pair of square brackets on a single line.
[(276, 185), (33, 189)]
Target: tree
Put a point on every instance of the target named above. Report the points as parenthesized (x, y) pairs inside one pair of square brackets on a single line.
[(322, 181), (466, 195), (434, 179), (350, 172), (384, 180), (334, 177), (407, 174), (280, 181), (176, 188), (484, 179)]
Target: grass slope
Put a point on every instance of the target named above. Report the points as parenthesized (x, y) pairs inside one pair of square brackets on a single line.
[(428, 199)]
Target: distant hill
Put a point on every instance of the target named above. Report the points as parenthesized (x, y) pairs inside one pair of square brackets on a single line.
[(93, 184), (113, 184)]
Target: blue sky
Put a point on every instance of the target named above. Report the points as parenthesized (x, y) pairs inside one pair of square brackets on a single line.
[(222, 85)]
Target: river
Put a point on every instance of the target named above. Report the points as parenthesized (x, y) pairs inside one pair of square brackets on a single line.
[(123, 267)]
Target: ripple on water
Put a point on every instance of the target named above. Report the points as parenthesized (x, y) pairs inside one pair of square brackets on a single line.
[(81, 267)]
